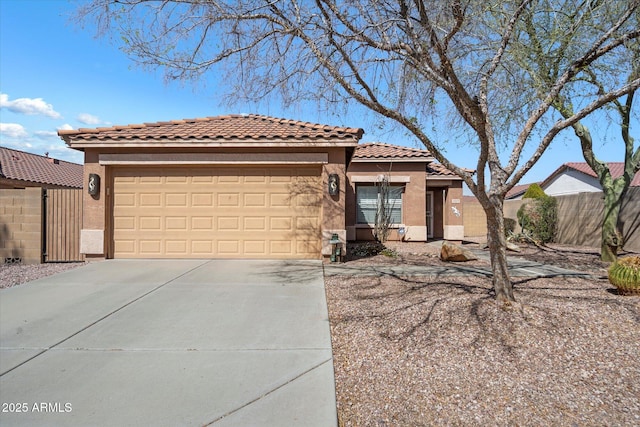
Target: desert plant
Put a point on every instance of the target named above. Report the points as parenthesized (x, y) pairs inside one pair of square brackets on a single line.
[(624, 274), (509, 226), (383, 211), (391, 253), (539, 217), (534, 192)]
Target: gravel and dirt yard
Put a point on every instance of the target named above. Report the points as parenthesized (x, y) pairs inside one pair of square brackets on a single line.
[(439, 351)]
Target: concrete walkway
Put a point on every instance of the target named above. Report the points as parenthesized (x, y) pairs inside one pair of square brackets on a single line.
[(169, 343), (518, 267)]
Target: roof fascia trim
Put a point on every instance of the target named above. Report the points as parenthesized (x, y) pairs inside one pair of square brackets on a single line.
[(211, 144)]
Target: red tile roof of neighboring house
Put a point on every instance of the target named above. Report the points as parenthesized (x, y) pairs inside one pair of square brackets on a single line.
[(229, 128), (377, 151), (517, 190), (22, 166), (616, 169)]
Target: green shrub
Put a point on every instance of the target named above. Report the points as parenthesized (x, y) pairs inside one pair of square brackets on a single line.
[(539, 218), (389, 253), (366, 249), (534, 192)]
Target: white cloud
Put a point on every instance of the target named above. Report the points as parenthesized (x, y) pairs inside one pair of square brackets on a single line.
[(13, 130), (45, 134), (30, 106), (65, 126), (88, 119)]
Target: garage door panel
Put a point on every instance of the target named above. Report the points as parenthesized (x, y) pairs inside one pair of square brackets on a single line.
[(217, 212), (202, 199), (176, 223), (228, 199), (176, 247), (150, 247), (258, 223), (228, 247), (150, 200)]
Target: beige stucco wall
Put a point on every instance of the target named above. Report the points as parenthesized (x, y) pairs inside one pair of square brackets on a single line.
[(93, 234), (21, 225), (453, 212), (333, 207), (475, 220)]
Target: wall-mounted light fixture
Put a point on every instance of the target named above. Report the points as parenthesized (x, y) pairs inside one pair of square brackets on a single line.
[(334, 184), (94, 184)]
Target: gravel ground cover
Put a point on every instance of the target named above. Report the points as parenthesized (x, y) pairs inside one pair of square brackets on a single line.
[(17, 274), (420, 351)]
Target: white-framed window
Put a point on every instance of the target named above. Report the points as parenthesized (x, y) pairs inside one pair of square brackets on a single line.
[(368, 199)]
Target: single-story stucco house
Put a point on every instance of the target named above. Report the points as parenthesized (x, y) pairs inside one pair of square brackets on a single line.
[(243, 186), (425, 197)]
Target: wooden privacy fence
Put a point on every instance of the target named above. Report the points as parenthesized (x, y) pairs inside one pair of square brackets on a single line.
[(579, 218), (62, 223)]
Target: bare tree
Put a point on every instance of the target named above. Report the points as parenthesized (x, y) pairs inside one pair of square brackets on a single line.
[(410, 61)]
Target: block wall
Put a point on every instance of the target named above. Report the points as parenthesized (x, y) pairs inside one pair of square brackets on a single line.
[(21, 225)]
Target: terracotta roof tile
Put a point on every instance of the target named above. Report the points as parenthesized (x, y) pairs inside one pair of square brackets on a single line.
[(220, 128), (22, 166), (379, 151), (517, 190), (436, 169)]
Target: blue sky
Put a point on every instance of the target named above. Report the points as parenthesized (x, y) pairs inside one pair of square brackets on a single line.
[(56, 75)]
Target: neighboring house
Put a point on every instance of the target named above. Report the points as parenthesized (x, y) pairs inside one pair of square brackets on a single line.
[(237, 186), (517, 192), (425, 197), (19, 169), (577, 177), (574, 178)]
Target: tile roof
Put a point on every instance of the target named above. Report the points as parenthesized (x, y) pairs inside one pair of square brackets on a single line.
[(22, 166), (517, 190), (229, 128), (380, 152), (436, 169), (616, 169), (377, 151)]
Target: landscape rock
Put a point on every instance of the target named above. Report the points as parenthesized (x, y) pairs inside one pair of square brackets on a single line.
[(455, 253), (513, 247)]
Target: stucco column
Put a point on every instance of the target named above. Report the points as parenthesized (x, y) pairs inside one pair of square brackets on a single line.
[(93, 233), (453, 221), (333, 207)]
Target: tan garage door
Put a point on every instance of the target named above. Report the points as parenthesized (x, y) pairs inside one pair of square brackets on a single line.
[(220, 212)]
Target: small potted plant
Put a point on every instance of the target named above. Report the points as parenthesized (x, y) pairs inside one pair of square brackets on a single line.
[(624, 274)]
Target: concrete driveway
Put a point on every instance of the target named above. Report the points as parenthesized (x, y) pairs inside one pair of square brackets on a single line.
[(169, 342)]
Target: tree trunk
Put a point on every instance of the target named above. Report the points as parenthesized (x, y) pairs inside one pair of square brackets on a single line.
[(498, 251), (611, 236)]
